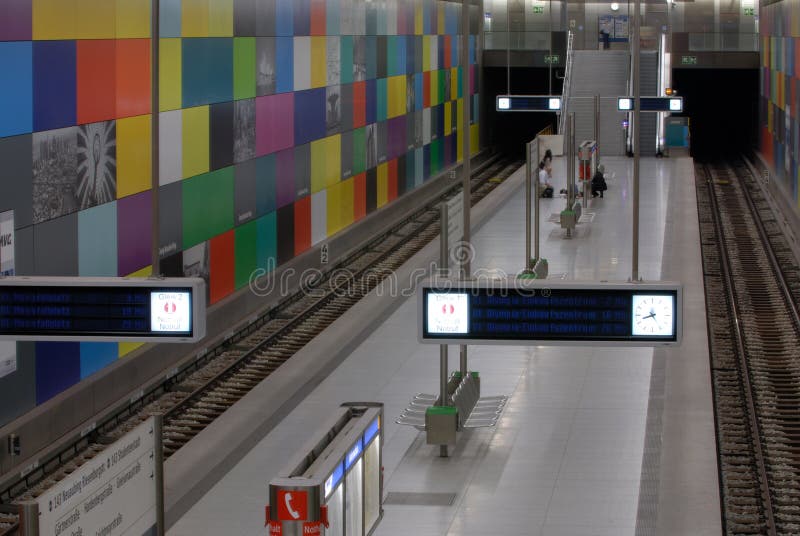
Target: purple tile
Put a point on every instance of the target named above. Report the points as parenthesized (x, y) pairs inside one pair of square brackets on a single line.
[(274, 123), (285, 189), (134, 232), (15, 20), (397, 137)]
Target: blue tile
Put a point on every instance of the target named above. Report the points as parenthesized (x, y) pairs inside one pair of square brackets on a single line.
[(16, 90), (284, 18), (96, 356), (170, 22), (97, 241), (309, 116), (58, 367), (284, 61), (54, 84), (265, 184)]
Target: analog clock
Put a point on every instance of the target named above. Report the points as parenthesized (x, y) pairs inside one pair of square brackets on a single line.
[(653, 315)]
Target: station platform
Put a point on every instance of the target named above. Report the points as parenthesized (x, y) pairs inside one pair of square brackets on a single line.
[(593, 441)]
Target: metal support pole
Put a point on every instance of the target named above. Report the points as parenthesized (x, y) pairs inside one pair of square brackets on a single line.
[(636, 148), (154, 132), (158, 460), (466, 166), (443, 256), (29, 518), (536, 217), (597, 126), (528, 169)]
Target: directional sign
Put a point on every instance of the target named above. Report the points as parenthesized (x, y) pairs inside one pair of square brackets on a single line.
[(515, 311), (688, 60), (528, 103), (102, 309), (551, 58), (651, 104)]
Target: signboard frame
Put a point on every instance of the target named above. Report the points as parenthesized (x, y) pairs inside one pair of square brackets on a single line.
[(528, 103), (197, 308), (545, 288)]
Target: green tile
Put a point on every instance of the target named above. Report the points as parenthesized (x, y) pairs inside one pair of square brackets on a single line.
[(383, 92), (245, 239), (346, 54), (207, 206), (359, 151), (267, 250), (244, 68)]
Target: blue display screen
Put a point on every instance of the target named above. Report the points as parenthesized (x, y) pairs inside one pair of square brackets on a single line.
[(94, 311), (516, 314)]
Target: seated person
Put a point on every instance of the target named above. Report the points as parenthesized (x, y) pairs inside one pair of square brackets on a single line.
[(599, 182), (545, 188)]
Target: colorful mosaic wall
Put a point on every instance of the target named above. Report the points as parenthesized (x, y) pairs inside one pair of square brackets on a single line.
[(779, 113), (281, 123)]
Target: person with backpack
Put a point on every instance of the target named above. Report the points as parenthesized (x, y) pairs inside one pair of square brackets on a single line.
[(599, 182)]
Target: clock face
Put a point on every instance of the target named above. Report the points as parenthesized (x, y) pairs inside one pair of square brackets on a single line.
[(653, 315)]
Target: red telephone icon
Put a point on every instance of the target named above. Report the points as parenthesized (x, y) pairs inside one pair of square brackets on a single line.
[(292, 505)]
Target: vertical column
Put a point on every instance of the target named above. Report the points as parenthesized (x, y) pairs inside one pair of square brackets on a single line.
[(443, 255), (636, 144), (466, 167), (528, 169), (154, 128), (158, 460)]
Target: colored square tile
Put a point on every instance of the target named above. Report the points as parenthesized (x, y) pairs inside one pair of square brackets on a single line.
[(134, 159), (16, 20), (275, 123), (244, 68), (96, 79), (222, 263), (133, 19), (221, 135), (16, 154), (170, 221), (97, 241), (56, 246), (133, 77), (302, 63), (319, 217), (58, 367), (266, 184), (134, 232), (245, 13), (244, 130), (195, 141), (194, 18), (170, 142), (309, 116), (267, 242), (95, 19), (220, 18), (95, 356), (170, 72), (54, 19), (54, 83), (284, 171), (170, 18), (302, 225), (284, 17), (285, 232), (284, 64), (16, 90), (245, 193), (208, 205), (246, 253)]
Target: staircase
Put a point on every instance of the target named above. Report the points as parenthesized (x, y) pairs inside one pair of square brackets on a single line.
[(648, 85), (604, 73)]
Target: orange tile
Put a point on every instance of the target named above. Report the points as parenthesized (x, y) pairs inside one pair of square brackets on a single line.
[(318, 17), (133, 77), (223, 255), (360, 196), (96, 80)]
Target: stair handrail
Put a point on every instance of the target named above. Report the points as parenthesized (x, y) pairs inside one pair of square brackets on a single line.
[(565, 88)]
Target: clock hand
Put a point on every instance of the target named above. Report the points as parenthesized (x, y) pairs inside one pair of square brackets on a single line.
[(651, 315)]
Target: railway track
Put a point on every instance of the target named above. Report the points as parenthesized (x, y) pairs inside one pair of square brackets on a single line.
[(752, 284), (195, 396)]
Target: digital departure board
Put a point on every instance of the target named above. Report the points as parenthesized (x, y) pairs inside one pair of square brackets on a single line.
[(651, 104), (528, 103), (511, 311), (102, 309)]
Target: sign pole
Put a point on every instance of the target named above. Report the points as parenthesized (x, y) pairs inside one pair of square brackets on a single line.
[(158, 460), (636, 148), (155, 8), (528, 169), (466, 166), (443, 255)]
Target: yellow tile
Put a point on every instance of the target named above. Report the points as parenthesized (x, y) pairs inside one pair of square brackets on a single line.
[(95, 19), (475, 138), (383, 184), (397, 96), (347, 203), (220, 18), (318, 165), (419, 26), (195, 141), (54, 19), (194, 18), (133, 155), (170, 79), (133, 19), (455, 72), (441, 19), (435, 88), (333, 201), (319, 61), (333, 160), (448, 117)]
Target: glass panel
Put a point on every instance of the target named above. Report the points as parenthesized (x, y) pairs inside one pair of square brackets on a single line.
[(372, 484), (336, 513), (353, 505)]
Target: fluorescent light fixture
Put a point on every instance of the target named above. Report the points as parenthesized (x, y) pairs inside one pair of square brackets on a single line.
[(624, 104), (503, 103), (614, 6), (676, 105), (554, 103)]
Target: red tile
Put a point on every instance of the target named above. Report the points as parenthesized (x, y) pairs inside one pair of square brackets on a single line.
[(448, 56), (96, 80), (133, 77), (392, 180), (302, 225), (426, 89), (318, 17), (222, 269)]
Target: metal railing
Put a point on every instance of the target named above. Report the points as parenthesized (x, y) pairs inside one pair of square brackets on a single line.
[(562, 119)]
